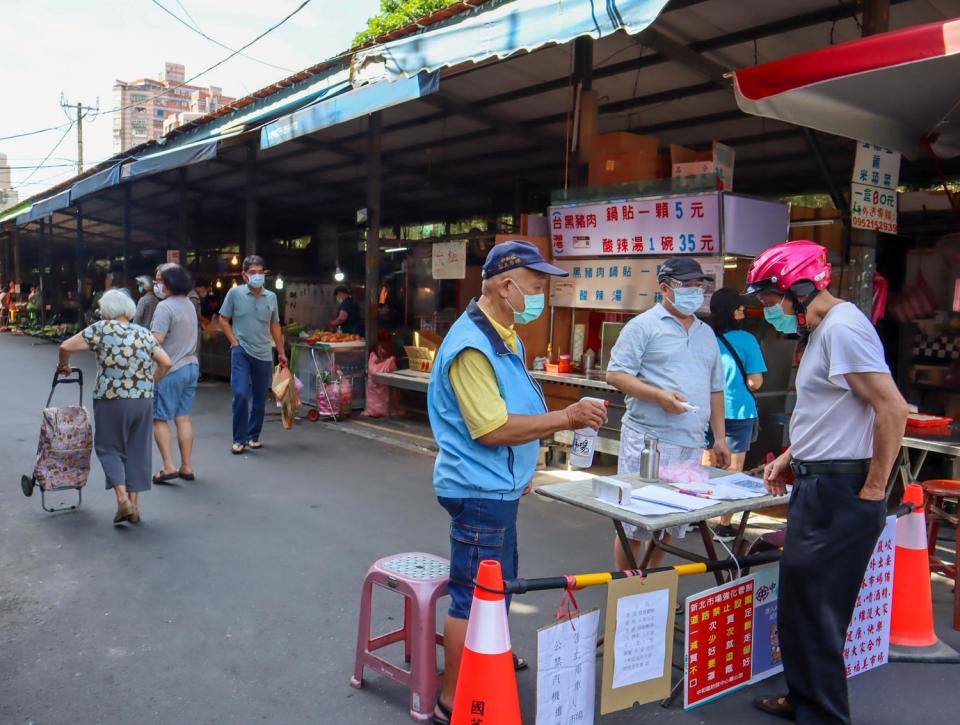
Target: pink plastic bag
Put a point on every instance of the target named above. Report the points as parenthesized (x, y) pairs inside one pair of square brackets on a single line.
[(378, 396)]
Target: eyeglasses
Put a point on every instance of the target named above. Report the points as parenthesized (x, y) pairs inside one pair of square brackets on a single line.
[(677, 284), (769, 299)]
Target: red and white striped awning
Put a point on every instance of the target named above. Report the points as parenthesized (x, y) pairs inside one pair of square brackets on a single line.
[(899, 89)]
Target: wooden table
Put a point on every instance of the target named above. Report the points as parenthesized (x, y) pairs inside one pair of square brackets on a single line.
[(580, 494)]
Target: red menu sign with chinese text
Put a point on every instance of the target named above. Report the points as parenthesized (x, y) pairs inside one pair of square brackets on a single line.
[(664, 226), (719, 641)]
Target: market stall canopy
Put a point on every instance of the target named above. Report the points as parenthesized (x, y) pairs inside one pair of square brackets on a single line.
[(899, 89), (346, 107), (501, 32)]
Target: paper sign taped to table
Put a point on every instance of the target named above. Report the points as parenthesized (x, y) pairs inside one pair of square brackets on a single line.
[(638, 636), (566, 670)]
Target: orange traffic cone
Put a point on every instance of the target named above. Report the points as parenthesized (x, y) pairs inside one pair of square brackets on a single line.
[(912, 638), (487, 685)]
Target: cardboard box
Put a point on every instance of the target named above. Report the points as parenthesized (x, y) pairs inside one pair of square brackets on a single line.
[(621, 142), (717, 161), (623, 167), (620, 157)]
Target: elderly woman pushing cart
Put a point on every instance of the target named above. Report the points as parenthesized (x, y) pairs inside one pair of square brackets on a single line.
[(129, 362)]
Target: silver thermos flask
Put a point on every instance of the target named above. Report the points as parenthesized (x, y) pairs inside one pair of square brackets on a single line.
[(650, 459)]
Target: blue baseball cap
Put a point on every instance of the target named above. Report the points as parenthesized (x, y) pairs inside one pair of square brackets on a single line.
[(510, 255)]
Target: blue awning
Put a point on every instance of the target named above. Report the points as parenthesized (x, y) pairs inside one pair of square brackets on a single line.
[(166, 160), (352, 104), (46, 207), (95, 182), (500, 32)]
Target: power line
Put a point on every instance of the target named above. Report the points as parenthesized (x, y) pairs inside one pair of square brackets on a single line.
[(34, 133), (219, 63), (72, 165), (196, 29), (49, 154)]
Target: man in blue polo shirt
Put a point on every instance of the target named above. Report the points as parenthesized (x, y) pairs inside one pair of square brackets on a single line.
[(667, 363), (488, 416), (251, 323)]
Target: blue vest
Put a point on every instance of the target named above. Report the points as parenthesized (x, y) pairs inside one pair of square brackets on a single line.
[(466, 468)]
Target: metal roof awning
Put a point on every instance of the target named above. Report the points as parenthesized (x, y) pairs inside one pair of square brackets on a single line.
[(347, 106), (896, 89), (48, 206), (95, 182), (514, 26), (167, 160)]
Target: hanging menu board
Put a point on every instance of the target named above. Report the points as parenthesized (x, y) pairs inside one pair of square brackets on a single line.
[(629, 285), (664, 226)]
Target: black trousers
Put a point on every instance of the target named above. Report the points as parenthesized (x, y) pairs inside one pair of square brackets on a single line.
[(831, 534)]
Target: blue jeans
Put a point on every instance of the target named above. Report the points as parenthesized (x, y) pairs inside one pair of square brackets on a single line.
[(480, 528), (249, 380)]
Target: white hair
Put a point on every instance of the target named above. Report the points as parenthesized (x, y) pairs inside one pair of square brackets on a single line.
[(116, 303)]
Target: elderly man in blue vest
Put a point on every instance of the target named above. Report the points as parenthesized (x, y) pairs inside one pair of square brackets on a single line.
[(488, 416)]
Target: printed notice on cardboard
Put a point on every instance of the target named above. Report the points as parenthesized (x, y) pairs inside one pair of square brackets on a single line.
[(640, 644)]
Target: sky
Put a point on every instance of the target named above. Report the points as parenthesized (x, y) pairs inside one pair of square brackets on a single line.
[(81, 48)]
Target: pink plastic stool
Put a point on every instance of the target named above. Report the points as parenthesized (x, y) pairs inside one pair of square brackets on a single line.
[(422, 580)]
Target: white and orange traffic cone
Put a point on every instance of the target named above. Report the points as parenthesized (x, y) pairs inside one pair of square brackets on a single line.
[(912, 637), (487, 684)]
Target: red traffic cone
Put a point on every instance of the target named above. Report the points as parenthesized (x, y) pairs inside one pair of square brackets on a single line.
[(912, 637), (487, 685)]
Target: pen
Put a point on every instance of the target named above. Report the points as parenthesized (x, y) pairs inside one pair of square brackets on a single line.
[(706, 494)]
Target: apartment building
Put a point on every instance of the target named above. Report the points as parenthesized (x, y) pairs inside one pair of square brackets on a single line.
[(8, 196), (150, 107)]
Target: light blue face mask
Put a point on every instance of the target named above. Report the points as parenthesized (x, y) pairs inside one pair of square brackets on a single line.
[(781, 321), (687, 300), (256, 280), (532, 307)]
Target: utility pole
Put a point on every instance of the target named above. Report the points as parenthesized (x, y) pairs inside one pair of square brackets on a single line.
[(81, 111)]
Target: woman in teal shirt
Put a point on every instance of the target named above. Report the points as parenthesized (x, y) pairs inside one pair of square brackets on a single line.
[(743, 368)]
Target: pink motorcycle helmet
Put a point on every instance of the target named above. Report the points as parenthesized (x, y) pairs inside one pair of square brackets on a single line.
[(786, 266)]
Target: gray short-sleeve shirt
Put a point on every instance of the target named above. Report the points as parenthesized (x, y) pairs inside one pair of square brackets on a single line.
[(176, 319), (656, 348), (251, 316)]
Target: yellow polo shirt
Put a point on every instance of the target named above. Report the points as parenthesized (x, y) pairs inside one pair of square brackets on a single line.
[(475, 385)]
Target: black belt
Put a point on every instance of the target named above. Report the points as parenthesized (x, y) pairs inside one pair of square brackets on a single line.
[(812, 468)]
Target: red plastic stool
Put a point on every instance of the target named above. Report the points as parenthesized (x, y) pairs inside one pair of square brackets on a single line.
[(935, 493), (422, 580)]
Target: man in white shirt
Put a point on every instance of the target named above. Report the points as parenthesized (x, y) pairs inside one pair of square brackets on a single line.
[(845, 433)]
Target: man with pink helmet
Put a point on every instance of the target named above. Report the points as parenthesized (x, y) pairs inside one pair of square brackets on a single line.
[(845, 432)]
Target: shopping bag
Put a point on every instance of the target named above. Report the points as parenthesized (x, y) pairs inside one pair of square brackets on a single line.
[(281, 382)]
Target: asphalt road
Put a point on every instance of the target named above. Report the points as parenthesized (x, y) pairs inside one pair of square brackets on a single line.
[(235, 601)]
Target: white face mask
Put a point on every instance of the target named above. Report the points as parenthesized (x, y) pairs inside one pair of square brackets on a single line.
[(159, 290)]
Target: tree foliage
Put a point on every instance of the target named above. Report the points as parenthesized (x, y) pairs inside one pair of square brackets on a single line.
[(397, 13)]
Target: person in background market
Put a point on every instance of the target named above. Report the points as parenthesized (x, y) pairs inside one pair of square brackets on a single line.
[(743, 369), (175, 327), (664, 360), (348, 319), (845, 434), (147, 304), (250, 320), (34, 303), (4, 306), (488, 416), (129, 363)]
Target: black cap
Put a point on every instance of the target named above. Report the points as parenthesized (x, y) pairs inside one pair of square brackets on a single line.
[(510, 255), (727, 299), (681, 269)]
